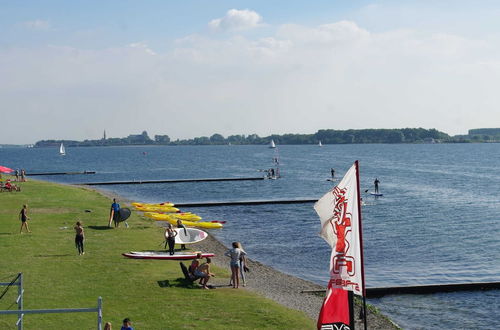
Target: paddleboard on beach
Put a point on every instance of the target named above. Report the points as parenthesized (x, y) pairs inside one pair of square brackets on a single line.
[(124, 214), (165, 255), (189, 235)]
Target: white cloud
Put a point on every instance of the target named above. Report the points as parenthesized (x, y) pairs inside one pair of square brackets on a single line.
[(328, 34), (299, 79), (37, 24), (142, 46), (236, 20)]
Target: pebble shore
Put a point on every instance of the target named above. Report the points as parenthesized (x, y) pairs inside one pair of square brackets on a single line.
[(282, 288), (273, 284)]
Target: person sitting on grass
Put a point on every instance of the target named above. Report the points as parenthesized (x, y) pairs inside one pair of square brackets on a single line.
[(11, 187), (194, 264), (203, 271)]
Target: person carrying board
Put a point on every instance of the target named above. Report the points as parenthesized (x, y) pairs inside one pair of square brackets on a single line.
[(114, 213)]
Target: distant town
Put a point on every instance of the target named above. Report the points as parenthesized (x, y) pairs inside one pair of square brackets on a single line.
[(325, 136)]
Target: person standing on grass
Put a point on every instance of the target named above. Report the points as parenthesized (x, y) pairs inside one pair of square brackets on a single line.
[(79, 238), (180, 225), (23, 216), (170, 236), (114, 213), (235, 254)]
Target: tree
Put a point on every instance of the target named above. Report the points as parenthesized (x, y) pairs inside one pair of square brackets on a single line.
[(162, 139), (217, 139)]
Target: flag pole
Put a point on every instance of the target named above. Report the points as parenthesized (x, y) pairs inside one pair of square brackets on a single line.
[(361, 245)]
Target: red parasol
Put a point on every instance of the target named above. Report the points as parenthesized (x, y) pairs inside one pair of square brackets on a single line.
[(4, 169)]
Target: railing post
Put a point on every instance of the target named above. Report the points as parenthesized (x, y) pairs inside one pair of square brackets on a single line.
[(20, 305), (99, 313)]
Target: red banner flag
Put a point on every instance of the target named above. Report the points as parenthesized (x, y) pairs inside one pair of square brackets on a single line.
[(340, 217)]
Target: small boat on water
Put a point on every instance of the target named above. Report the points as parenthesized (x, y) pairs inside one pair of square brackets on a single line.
[(62, 151), (320, 144), (272, 144)]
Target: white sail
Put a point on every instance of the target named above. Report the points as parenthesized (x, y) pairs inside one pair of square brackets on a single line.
[(62, 151), (320, 144), (272, 145)]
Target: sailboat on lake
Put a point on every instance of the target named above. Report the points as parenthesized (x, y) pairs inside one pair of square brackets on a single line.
[(62, 151), (272, 144), (320, 144)]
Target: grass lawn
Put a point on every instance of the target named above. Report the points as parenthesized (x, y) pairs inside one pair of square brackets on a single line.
[(55, 276)]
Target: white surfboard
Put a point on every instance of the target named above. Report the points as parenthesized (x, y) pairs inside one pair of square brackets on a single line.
[(165, 255), (376, 194), (189, 236)]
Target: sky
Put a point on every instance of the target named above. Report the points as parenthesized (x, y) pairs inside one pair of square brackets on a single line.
[(72, 69)]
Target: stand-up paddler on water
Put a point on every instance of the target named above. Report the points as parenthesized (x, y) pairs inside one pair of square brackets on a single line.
[(376, 182)]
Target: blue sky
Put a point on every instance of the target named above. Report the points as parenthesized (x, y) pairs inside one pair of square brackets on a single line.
[(243, 67)]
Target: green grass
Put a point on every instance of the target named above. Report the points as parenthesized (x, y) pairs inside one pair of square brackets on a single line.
[(56, 277)]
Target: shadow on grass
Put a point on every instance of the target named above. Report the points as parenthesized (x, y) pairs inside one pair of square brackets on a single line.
[(52, 255), (5, 233), (100, 227), (178, 283)]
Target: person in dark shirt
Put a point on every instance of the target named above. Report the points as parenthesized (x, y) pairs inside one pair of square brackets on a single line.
[(376, 182), (23, 216), (127, 325), (114, 213), (180, 225)]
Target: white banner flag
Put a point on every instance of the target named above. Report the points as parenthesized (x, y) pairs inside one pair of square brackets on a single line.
[(340, 227)]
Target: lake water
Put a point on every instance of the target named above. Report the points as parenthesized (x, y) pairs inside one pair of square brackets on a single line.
[(438, 221)]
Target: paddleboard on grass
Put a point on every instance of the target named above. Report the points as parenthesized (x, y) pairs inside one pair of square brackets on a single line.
[(165, 255), (124, 214), (189, 235)]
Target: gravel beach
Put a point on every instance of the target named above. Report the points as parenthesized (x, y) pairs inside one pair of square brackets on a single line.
[(283, 288), (273, 284)]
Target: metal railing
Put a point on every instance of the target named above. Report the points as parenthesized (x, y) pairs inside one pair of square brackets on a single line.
[(20, 311)]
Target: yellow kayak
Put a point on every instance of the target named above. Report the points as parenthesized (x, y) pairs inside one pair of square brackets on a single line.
[(166, 204), (167, 209), (185, 216), (173, 221), (181, 216)]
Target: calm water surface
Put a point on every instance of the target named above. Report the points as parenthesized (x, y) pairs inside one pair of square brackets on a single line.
[(438, 221)]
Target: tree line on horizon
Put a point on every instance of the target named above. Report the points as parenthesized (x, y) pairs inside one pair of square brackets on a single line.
[(326, 136)]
